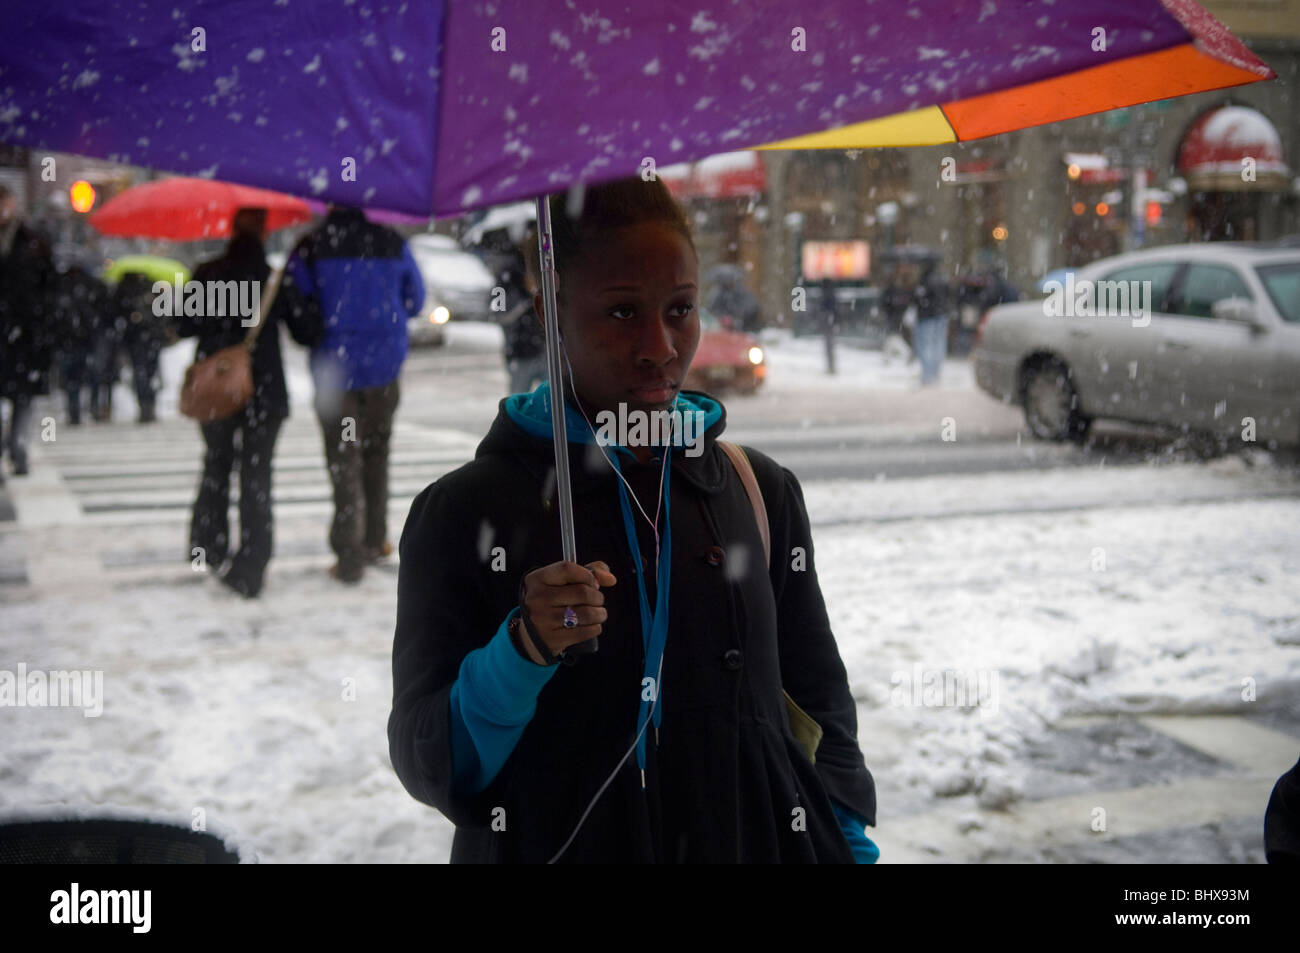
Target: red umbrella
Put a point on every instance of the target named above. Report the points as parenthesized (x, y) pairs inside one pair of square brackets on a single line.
[(183, 209)]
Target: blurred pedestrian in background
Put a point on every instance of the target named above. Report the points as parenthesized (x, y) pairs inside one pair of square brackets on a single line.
[(829, 314), (81, 306), (895, 302), (366, 285), (27, 281), (931, 299), (142, 334), (525, 340), (729, 298), (247, 438), (105, 363)]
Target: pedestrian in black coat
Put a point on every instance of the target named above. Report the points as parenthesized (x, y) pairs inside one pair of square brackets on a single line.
[(82, 314), (525, 342), (257, 424), (27, 282), (143, 333), (695, 742)]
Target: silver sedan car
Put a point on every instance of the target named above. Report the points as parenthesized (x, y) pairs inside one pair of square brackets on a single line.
[(1205, 338)]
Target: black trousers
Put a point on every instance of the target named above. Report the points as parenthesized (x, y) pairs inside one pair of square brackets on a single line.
[(357, 426), (247, 440), (20, 425)]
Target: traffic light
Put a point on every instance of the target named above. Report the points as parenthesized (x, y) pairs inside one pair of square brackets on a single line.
[(82, 196)]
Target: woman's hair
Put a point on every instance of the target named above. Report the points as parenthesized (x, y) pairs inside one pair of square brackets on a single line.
[(249, 221), (630, 201)]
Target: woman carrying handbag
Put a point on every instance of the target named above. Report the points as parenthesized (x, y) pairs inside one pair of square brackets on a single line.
[(249, 432)]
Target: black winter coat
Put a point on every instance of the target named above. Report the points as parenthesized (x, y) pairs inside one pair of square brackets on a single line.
[(726, 779), (27, 315), (245, 260), (82, 311)]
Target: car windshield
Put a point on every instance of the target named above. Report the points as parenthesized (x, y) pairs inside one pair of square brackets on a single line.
[(451, 269), (1283, 285), (708, 321)]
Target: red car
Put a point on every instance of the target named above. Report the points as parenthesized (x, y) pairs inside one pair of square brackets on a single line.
[(725, 359)]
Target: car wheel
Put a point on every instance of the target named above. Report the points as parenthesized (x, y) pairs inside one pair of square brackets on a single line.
[(1052, 404)]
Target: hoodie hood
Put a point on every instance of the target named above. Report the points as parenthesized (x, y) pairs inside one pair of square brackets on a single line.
[(532, 412), (523, 429)]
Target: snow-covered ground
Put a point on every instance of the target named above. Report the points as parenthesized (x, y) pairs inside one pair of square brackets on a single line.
[(1050, 595), (271, 716), (803, 360)]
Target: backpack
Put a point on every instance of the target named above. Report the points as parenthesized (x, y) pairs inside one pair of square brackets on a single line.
[(803, 726)]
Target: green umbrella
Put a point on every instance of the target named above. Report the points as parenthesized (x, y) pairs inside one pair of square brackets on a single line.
[(154, 267)]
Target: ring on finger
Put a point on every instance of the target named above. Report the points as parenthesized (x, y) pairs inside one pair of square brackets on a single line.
[(570, 617)]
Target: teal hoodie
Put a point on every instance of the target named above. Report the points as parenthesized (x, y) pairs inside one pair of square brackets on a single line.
[(532, 412)]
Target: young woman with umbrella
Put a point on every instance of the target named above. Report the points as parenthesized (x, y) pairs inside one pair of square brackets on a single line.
[(672, 742)]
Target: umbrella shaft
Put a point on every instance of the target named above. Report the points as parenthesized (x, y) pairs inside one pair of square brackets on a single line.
[(556, 377)]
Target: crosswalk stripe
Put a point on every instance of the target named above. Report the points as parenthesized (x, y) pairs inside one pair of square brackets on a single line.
[(99, 473)]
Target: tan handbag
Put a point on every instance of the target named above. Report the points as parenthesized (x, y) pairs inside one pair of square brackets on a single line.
[(803, 726), (221, 384)]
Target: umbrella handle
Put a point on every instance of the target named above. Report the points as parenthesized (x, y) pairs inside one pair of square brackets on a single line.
[(563, 487)]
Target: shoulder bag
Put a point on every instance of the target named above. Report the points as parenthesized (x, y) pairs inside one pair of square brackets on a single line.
[(221, 384)]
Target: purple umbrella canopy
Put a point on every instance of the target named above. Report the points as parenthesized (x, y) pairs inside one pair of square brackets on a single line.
[(438, 107)]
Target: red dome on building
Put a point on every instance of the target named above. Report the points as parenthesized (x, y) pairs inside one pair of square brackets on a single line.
[(1212, 152)]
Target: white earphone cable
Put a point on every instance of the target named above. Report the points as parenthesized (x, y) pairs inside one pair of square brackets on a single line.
[(659, 672)]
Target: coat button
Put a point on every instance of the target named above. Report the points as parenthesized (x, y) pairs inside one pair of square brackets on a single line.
[(713, 555), (732, 659)]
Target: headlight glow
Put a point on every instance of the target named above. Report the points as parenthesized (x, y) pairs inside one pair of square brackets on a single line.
[(440, 315), (756, 355)]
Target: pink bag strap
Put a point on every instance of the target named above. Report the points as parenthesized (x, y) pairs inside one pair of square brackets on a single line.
[(740, 460)]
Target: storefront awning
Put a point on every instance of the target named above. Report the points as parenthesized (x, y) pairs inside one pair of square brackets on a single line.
[(726, 176), (1232, 149)]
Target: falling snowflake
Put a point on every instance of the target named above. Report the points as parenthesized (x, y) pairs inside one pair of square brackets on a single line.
[(701, 23)]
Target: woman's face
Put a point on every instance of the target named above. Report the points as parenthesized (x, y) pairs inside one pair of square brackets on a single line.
[(629, 317)]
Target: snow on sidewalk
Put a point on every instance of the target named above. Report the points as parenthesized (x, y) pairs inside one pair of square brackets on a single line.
[(271, 715), (1174, 610)]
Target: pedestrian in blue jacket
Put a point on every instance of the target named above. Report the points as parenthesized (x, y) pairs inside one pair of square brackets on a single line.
[(366, 285)]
